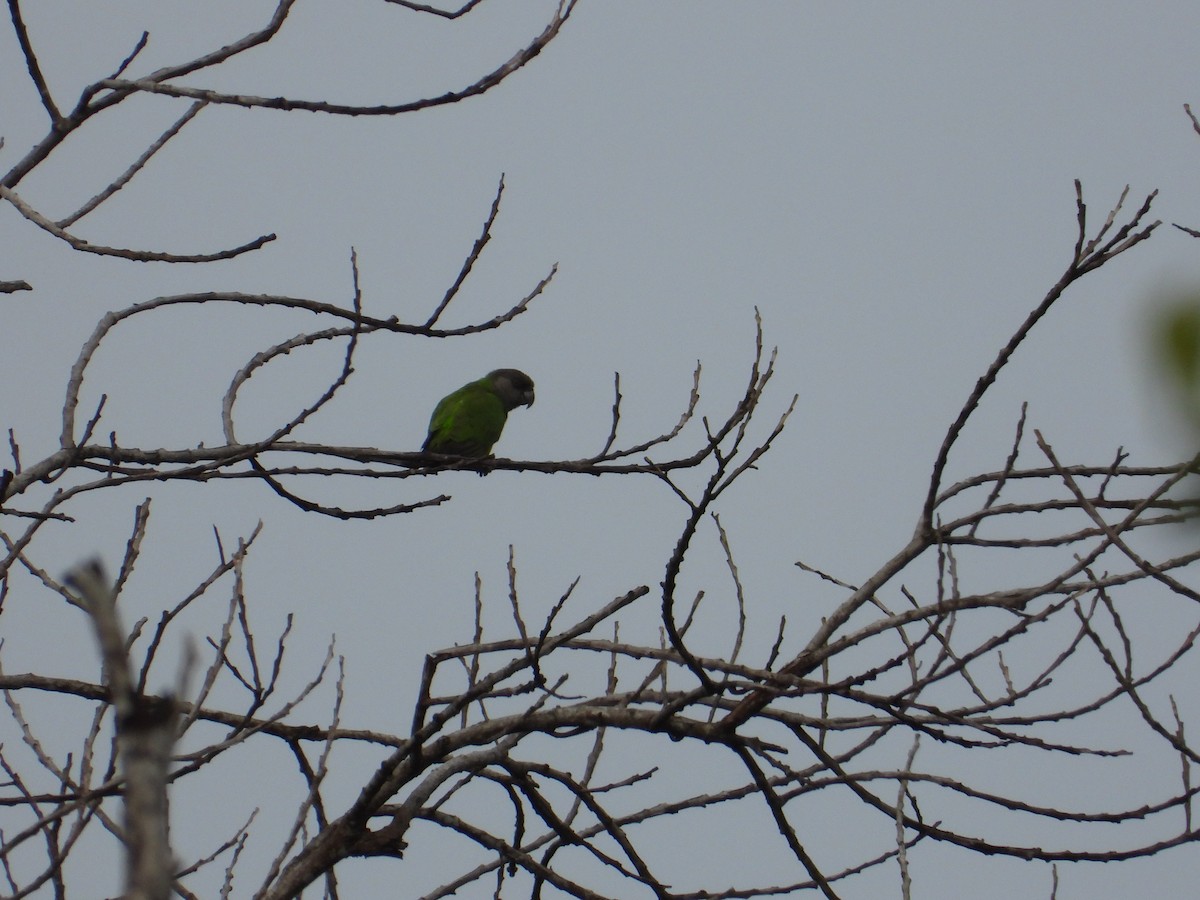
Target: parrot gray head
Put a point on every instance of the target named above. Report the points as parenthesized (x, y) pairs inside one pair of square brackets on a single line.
[(513, 387)]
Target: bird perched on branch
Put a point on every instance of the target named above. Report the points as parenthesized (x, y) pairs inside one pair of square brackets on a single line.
[(469, 421)]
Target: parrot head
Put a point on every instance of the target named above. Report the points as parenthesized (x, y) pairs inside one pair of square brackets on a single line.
[(513, 387)]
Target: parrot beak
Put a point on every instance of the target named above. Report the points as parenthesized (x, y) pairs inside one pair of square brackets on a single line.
[(529, 398)]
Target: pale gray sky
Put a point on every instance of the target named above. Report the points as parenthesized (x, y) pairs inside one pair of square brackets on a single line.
[(889, 184)]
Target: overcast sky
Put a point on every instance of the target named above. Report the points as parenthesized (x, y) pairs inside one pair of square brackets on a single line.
[(891, 185)]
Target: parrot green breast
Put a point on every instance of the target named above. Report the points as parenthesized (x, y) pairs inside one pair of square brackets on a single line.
[(467, 422)]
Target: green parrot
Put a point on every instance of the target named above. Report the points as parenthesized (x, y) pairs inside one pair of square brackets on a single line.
[(469, 421)]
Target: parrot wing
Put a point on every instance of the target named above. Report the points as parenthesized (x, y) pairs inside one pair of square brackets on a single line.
[(467, 422)]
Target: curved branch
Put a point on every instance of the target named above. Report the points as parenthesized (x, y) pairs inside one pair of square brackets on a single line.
[(155, 83)]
